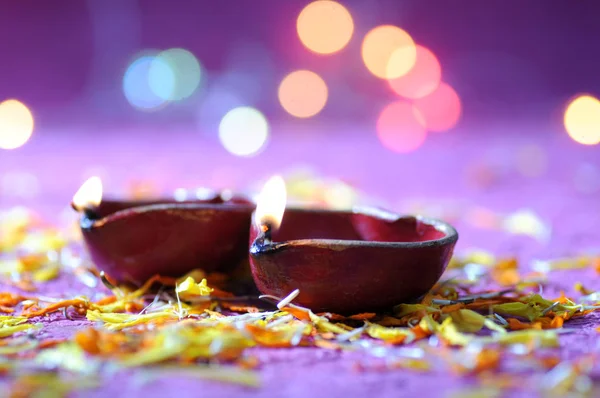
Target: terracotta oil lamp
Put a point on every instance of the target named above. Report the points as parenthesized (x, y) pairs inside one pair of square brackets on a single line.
[(345, 261), (133, 240)]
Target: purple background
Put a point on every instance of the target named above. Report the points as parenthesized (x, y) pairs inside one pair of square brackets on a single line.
[(515, 64), (514, 59)]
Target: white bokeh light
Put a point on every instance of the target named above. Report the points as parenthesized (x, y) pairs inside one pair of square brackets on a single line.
[(180, 194), (244, 131), (16, 124)]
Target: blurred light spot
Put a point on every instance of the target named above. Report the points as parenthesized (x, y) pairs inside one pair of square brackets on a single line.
[(20, 185), (243, 131), (526, 222), (174, 74), (441, 109), (161, 79), (204, 193), (582, 120), (226, 195), (421, 79), (340, 196), (16, 124), (587, 178), (143, 189), (180, 194), (388, 52), (399, 127), (482, 174), (325, 26), (147, 92), (303, 93), (531, 161)]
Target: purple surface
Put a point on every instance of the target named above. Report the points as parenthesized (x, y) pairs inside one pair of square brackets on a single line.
[(300, 372), (439, 173)]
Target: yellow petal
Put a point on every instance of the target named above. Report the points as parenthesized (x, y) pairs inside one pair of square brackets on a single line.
[(196, 275), (530, 311), (7, 320), (189, 289), (6, 331), (388, 333), (323, 324), (47, 273), (153, 355), (449, 332), (122, 321), (467, 320), (545, 338)]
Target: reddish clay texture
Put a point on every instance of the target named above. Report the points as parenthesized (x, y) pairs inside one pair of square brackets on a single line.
[(132, 241), (351, 262)]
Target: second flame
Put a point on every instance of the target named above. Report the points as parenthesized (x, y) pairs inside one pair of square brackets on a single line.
[(89, 195), (270, 204)]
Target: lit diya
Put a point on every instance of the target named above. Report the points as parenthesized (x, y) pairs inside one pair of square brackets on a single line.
[(133, 240), (345, 261)]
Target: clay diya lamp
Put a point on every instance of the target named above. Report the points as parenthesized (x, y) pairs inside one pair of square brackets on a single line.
[(133, 240), (345, 261)]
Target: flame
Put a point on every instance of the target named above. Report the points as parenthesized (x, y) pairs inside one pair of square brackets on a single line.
[(270, 205), (89, 195)]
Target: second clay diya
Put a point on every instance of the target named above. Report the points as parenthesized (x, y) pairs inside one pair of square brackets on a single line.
[(133, 240), (345, 261)]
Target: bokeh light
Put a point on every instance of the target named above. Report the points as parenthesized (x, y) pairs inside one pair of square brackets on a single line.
[(244, 131), (175, 64), (303, 93), (582, 120), (325, 26), (148, 91), (180, 194), (441, 110), (388, 52), (340, 196), (16, 124), (399, 127), (421, 79)]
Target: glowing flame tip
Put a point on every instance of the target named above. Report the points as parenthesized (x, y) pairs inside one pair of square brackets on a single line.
[(270, 205), (89, 195)]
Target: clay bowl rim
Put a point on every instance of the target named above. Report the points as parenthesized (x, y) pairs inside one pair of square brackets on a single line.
[(89, 223), (450, 233)]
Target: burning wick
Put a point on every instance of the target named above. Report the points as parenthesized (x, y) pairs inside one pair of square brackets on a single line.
[(270, 207), (88, 197)]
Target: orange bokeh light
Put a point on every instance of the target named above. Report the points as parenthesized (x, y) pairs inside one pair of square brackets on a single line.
[(582, 120), (16, 124), (441, 110), (303, 93), (399, 127), (325, 26), (388, 52), (421, 79)]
